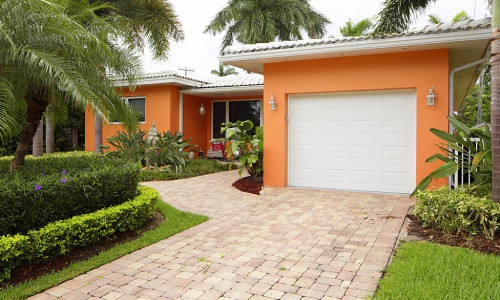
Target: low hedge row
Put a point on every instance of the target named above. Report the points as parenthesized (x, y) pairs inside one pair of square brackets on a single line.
[(52, 188), (458, 211), (60, 237)]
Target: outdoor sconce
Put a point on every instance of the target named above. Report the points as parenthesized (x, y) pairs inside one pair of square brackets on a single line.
[(272, 103), (202, 109), (431, 98)]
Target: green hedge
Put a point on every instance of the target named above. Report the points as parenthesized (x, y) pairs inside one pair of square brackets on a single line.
[(60, 237), (458, 211), (52, 188)]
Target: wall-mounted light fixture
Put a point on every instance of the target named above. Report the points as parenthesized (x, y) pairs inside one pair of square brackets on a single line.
[(431, 98), (272, 103), (202, 110)]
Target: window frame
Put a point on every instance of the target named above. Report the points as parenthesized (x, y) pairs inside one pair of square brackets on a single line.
[(227, 113), (145, 109)]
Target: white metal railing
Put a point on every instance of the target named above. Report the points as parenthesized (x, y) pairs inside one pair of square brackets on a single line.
[(462, 177)]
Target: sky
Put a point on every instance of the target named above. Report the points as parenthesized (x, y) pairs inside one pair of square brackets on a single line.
[(199, 51)]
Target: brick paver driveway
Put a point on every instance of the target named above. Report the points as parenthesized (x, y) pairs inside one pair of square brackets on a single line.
[(288, 244)]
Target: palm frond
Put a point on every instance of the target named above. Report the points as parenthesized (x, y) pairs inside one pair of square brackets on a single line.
[(397, 15)]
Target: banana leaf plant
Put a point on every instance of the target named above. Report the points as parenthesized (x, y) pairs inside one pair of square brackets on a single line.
[(467, 149), (246, 140)]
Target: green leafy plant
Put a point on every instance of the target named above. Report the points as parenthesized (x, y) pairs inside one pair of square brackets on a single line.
[(462, 210), (128, 144), (60, 237), (169, 150), (248, 142), (52, 188), (460, 151)]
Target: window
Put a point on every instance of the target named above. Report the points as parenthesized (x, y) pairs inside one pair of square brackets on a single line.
[(139, 106), (232, 111)]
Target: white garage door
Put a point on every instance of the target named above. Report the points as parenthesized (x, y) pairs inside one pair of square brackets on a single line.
[(363, 141)]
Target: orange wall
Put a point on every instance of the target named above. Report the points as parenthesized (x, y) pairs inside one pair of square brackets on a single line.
[(162, 107), (411, 70), (193, 123)]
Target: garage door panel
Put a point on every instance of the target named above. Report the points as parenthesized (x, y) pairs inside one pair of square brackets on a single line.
[(359, 141)]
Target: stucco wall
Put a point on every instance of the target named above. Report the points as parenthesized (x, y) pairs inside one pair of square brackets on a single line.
[(411, 70)]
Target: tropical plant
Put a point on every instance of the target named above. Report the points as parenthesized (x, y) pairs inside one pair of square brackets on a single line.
[(459, 151), (224, 70), (248, 142), (356, 29), (129, 144), (47, 54), (262, 21), (435, 19), (170, 150), (396, 16)]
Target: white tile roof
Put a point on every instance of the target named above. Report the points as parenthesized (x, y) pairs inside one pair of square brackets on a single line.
[(429, 29), (158, 75), (235, 80)]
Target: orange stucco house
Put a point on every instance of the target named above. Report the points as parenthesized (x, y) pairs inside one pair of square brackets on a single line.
[(350, 113)]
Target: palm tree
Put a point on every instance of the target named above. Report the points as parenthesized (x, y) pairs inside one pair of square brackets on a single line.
[(396, 17), (224, 70), (47, 54), (460, 16), (262, 21), (356, 29)]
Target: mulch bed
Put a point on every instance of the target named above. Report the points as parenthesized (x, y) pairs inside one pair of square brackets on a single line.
[(249, 185), (29, 271), (478, 242)]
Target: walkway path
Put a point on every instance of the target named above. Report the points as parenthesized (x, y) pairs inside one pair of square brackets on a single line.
[(288, 244)]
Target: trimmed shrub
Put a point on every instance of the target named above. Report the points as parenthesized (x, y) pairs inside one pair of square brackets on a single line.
[(458, 211), (54, 188), (60, 237)]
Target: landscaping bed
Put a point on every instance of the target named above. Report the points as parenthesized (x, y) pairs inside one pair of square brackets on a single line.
[(476, 242), (249, 185), (193, 168), (32, 270)]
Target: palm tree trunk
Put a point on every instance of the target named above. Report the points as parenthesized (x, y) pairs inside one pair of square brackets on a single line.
[(38, 140), (97, 132), (37, 98), (49, 134), (74, 136), (495, 100)]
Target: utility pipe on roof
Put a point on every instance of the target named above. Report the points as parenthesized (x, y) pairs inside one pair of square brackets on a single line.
[(451, 84)]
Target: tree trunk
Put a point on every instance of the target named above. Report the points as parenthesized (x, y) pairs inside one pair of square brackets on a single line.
[(37, 98), (74, 137), (495, 100), (49, 134), (97, 132), (38, 140)]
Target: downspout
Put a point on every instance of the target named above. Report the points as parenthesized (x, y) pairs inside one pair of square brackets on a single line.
[(451, 84), (181, 111), (451, 100)]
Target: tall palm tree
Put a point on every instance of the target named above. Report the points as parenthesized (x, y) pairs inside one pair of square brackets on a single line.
[(356, 29), (396, 17), (224, 70), (262, 21), (46, 54)]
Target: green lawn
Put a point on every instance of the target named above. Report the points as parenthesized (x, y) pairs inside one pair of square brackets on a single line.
[(175, 222), (193, 168), (423, 270)]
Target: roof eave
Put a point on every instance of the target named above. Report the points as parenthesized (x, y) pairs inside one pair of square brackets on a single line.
[(170, 80), (226, 89)]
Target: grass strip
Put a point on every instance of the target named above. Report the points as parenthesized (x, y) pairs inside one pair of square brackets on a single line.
[(193, 168), (175, 222), (423, 270)]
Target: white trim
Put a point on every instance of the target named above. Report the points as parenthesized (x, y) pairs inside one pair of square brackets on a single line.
[(145, 110), (227, 113), (229, 89), (357, 45), (174, 80)]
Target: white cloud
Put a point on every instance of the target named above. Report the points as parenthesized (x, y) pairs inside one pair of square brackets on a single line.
[(200, 51)]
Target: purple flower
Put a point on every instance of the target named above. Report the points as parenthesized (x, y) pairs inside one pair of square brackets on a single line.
[(37, 187), (52, 157), (43, 175), (63, 180), (64, 172), (69, 179), (69, 156)]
